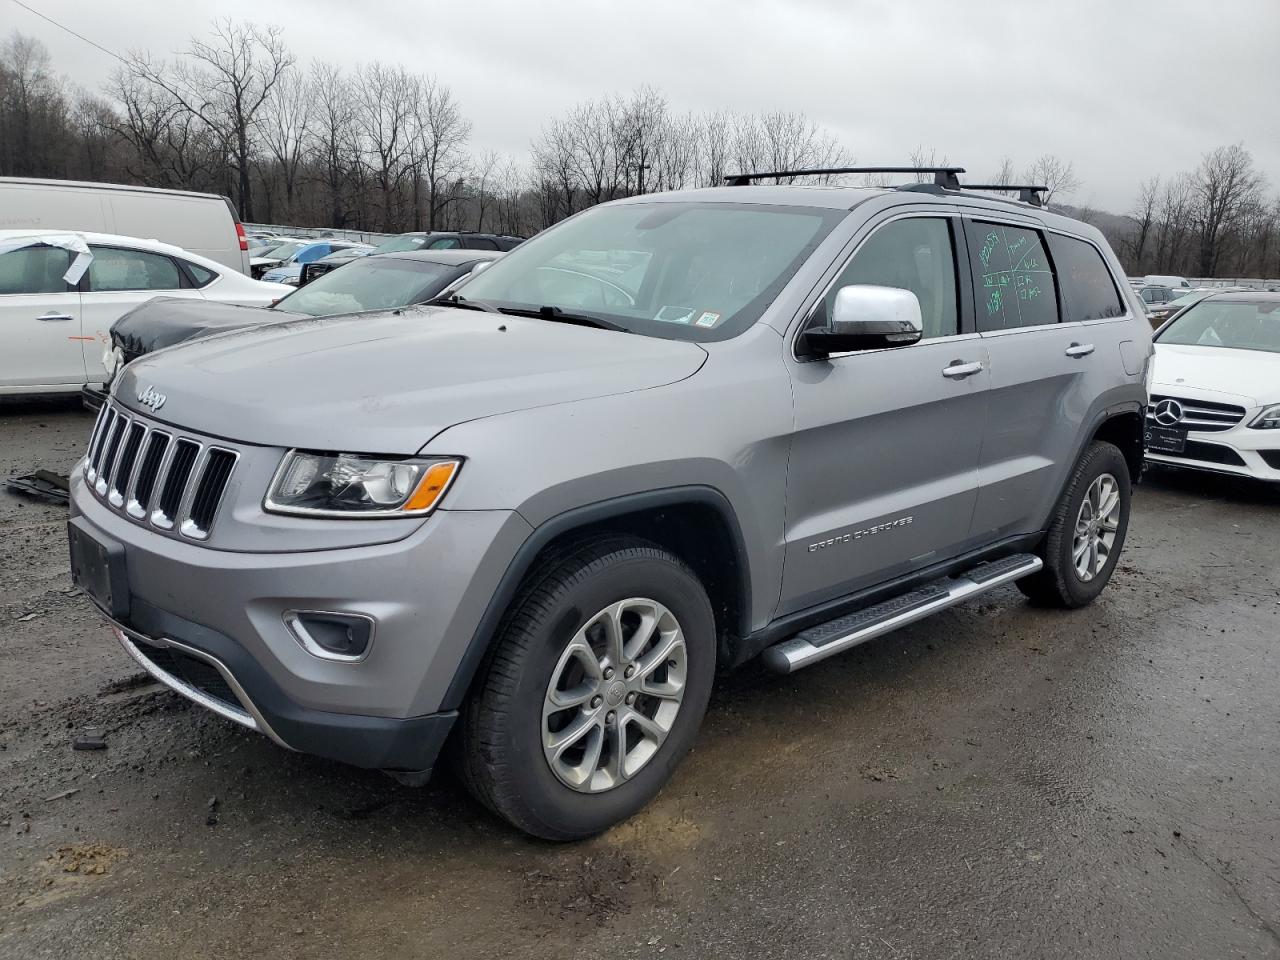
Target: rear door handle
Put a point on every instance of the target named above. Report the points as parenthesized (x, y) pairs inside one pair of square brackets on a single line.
[(55, 316), (958, 369), (1079, 349)]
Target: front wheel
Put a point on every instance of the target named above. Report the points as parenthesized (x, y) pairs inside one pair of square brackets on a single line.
[(1087, 532), (594, 691)]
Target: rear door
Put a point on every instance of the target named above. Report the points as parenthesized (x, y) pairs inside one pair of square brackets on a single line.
[(884, 458), (39, 320), (1044, 304), (119, 279)]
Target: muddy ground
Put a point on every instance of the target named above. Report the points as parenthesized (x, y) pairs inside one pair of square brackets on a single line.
[(999, 781)]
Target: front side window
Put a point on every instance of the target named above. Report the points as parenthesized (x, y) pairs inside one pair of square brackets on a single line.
[(1087, 288), (681, 270), (37, 269), (115, 268), (1230, 324), (445, 243), (915, 254), (1013, 279)]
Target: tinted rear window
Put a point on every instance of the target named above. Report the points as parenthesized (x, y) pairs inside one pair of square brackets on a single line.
[(1087, 288)]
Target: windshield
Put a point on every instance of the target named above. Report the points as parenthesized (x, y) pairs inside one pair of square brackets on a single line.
[(402, 243), (677, 270), (284, 250), (1231, 324), (371, 283)]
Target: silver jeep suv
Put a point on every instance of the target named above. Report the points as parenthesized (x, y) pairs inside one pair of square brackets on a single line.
[(669, 435)]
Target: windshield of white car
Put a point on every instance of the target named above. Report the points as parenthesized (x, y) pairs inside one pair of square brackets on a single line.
[(676, 270), (370, 283), (1230, 324)]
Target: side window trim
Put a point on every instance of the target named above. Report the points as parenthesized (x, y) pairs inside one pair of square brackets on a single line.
[(966, 317), (972, 223)]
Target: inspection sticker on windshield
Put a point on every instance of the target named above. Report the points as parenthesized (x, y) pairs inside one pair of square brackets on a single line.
[(708, 319), (670, 314)]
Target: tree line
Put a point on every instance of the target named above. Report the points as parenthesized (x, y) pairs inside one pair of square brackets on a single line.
[(382, 148)]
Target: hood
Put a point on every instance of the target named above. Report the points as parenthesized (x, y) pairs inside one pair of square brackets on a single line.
[(389, 382), (1249, 375), (264, 261), (164, 321)]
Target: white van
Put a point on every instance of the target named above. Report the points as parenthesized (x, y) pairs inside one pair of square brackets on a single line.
[(202, 223)]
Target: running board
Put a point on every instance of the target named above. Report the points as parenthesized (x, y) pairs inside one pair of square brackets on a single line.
[(828, 639)]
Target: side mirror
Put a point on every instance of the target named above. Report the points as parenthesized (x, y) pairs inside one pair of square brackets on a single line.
[(867, 317)]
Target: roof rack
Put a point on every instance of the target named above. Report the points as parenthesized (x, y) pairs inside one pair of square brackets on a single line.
[(944, 179), (1026, 193), (942, 176)]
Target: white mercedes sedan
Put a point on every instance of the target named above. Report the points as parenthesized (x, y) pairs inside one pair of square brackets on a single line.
[(1215, 387), (60, 292)]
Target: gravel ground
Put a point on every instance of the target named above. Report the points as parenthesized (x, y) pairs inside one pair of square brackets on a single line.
[(998, 781)]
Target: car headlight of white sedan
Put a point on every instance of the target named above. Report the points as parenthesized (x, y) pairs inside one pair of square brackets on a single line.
[(1268, 419)]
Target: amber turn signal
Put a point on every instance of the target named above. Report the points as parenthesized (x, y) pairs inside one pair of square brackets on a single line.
[(432, 486)]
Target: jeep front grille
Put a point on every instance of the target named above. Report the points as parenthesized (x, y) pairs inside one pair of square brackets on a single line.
[(1204, 416), (169, 482)]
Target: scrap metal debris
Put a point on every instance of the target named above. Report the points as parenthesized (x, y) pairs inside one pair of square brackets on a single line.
[(41, 485)]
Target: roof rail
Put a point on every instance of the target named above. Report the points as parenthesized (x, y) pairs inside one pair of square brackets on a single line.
[(944, 179), (1026, 193), (942, 176)]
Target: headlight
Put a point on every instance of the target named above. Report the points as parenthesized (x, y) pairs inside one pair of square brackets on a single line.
[(354, 486), (1268, 419)]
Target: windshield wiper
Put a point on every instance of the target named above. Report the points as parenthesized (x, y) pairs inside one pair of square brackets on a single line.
[(454, 300), (560, 316)]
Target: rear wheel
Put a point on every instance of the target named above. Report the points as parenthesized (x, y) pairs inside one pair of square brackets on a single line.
[(594, 691), (1086, 533)]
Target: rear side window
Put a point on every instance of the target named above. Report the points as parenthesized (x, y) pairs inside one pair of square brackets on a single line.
[(1012, 276), (200, 276), (114, 268), (481, 243), (33, 270), (1088, 292)]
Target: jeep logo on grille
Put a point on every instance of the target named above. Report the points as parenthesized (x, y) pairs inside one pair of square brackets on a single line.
[(149, 398), (1168, 412)]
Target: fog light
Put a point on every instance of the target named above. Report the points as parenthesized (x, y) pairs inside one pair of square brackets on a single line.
[(345, 637)]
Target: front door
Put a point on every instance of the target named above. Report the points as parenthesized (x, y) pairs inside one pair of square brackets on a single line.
[(883, 472), (39, 320)]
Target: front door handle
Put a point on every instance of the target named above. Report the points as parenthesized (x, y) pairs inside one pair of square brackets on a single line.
[(1079, 349), (958, 369), (55, 316)]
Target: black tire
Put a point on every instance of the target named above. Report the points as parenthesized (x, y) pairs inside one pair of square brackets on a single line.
[(499, 751), (1059, 584)]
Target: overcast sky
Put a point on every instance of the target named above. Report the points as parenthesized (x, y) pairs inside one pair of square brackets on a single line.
[(1124, 88)]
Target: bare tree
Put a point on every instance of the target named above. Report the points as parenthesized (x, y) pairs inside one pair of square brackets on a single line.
[(386, 100), (1143, 216), (440, 144), (286, 129), (1225, 185), (1056, 175), (1005, 175)]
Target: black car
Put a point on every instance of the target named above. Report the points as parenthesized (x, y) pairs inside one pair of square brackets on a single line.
[(408, 242), (366, 283)]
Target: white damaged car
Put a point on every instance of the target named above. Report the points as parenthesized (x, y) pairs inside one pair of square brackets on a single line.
[(1215, 387)]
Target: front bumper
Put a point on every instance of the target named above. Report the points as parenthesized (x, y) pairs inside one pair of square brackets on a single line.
[(1241, 452), (427, 592)]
